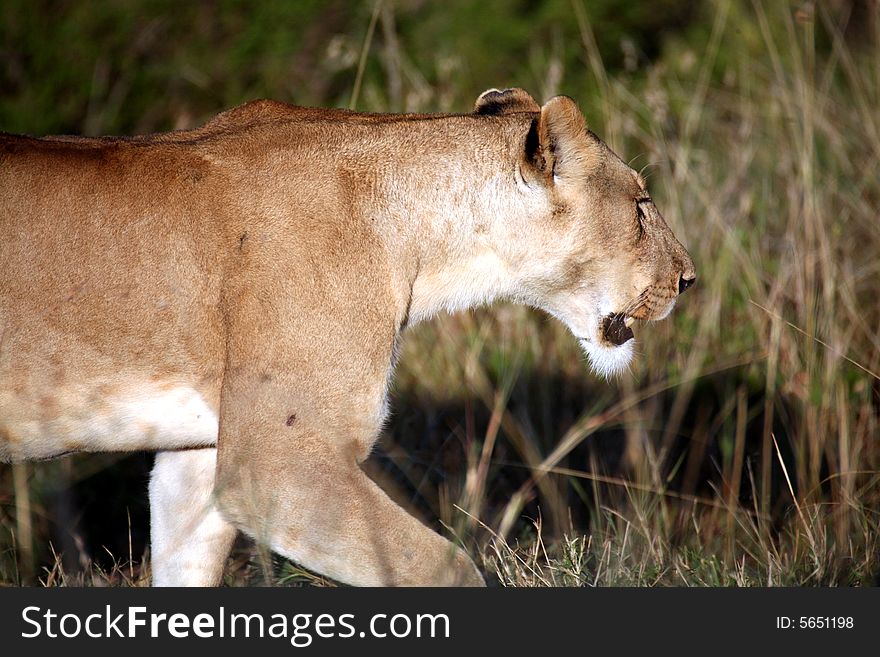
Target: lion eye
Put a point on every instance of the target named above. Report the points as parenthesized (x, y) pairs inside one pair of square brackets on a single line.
[(640, 214)]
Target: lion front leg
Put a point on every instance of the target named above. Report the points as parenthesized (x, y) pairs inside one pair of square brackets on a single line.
[(189, 538), (309, 355), (288, 476), (319, 509)]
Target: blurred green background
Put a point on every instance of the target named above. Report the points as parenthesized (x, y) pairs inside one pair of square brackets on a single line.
[(131, 66), (742, 448)]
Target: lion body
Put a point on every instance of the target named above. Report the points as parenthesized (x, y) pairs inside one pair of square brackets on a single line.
[(232, 297)]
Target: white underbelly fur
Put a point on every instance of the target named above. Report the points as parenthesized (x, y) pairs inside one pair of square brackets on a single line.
[(133, 417)]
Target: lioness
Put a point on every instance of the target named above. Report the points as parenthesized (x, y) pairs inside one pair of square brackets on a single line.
[(233, 297)]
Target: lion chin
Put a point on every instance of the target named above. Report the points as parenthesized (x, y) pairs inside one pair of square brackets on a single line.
[(609, 361)]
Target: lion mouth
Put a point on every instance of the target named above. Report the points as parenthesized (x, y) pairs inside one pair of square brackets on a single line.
[(616, 328)]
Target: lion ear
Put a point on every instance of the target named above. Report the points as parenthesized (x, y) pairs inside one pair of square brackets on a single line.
[(506, 101), (556, 144)]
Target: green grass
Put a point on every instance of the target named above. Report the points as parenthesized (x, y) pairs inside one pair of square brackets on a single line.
[(742, 449)]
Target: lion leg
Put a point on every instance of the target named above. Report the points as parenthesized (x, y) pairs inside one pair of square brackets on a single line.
[(189, 538), (302, 402), (322, 511)]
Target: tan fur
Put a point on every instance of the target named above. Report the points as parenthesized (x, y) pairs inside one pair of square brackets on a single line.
[(244, 285)]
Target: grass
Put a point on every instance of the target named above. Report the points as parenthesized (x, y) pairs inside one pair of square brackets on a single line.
[(742, 449)]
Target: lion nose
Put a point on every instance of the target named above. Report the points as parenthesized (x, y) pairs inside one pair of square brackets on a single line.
[(685, 283)]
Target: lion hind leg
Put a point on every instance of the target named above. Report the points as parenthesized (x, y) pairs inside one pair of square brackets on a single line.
[(189, 538)]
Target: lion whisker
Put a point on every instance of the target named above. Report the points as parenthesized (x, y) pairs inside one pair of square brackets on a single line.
[(633, 305)]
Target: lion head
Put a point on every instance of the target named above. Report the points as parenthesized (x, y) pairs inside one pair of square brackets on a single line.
[(607, 257)]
